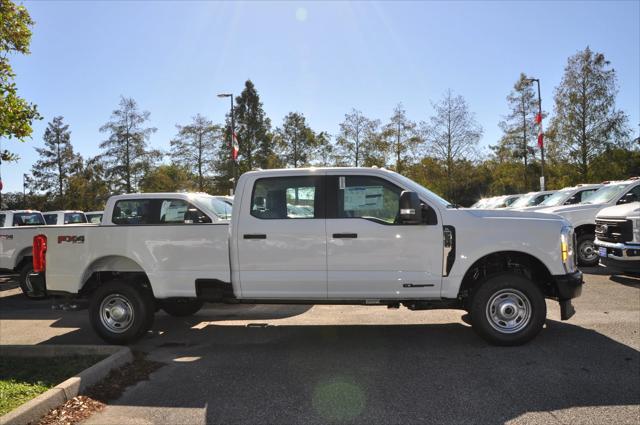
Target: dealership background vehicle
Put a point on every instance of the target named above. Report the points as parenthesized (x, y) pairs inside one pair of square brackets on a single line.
[(64, 217), (334, 236), (94, 217), (582, 216), (531, 199), (18, 227), (618, 237), (566, 196)]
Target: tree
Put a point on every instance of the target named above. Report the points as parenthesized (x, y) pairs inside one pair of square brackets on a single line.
[(89, 186), (452, 134), (168, 178), (16, 114), (519, 136), (296, 141), (325, 151), (402, 137), (252, 129), (126, 155), (356, 137), (57, 160), (194, 148), (586, 121)]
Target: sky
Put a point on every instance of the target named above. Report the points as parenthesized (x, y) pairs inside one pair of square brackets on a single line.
[(318, 58)]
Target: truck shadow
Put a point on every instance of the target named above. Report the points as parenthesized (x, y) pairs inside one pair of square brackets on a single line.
[(440, 373)]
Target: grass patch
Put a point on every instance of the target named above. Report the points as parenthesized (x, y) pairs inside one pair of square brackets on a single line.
[(23, 378)]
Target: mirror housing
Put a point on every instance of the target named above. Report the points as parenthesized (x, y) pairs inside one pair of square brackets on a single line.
[(626, 199), (410, 208)]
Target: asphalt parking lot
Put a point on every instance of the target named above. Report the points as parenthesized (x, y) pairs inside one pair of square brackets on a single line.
[(356, 364)]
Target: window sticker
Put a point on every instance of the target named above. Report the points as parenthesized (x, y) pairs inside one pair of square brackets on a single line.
[(363, 198)]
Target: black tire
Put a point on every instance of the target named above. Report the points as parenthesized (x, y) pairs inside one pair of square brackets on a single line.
[(25, 284), (587, 251), (181, 308), (136, 302), (517, 298)]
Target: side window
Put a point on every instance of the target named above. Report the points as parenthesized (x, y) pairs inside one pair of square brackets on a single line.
[(74, 218), (177, 211), (132, 211), (286, 198), (2, 216), (51, 219), (584, 195), (368, 197), (633, 195)]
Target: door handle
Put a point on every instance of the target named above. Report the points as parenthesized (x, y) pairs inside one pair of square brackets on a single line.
[(255, 236), (345, 235)]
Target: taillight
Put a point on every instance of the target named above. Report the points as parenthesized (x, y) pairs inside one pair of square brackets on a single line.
[(39, 253)]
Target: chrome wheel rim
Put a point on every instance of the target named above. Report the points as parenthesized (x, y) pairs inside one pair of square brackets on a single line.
[(509, 311), (116, 313), (588, 251)]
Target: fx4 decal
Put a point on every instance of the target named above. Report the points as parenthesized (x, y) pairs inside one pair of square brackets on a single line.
[(71, 239), (6, 237)]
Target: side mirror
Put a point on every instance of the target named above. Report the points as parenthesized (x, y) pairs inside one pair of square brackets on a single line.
[(628, 198), (410, 208)]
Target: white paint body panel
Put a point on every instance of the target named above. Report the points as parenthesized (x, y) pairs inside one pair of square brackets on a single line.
[(300, 259), (15, 244)]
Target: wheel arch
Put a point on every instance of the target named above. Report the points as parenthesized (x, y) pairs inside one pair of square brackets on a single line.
[(507, 261), (26, 254), (588, 228), (112, 267)]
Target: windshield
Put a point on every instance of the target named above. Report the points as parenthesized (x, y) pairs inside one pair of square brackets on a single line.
[(421, 190), (74, 218), (605, 194), (511, 200), (526, 201), (219, 208), (556, 199)]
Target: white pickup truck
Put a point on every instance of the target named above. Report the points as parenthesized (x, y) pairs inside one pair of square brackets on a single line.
[(618, 238), (362, 236), (53, 218), (17, 229), (582, 216)]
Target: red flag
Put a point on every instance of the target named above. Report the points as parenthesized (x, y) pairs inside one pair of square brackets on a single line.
[(540, 138), (538, 119), (235, 147)]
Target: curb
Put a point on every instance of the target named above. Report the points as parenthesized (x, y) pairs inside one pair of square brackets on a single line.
[(34, 409)]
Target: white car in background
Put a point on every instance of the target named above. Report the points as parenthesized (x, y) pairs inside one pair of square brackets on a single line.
[(566, 196), (582, 216), (58, 218), (618, 238), (531, 199)]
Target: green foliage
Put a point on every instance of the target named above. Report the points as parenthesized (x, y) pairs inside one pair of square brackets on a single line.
[(296, 141), (125, 153), (169, 178), (252, 128), (586, 122), (57, 160), (359, 142), (16, 114), (402, 137), (195, 148)]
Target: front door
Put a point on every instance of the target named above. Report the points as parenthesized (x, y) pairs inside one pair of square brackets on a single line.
[(370, 255), (282, 246)]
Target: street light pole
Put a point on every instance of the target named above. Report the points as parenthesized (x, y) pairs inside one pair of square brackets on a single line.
[(24, 191), (540, 141), (231, 132)]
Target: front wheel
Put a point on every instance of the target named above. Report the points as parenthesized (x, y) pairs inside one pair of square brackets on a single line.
[(508, 309), (121, 312), (587, 251)]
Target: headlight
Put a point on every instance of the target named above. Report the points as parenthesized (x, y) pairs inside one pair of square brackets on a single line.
[(636, 228), (567, 249)]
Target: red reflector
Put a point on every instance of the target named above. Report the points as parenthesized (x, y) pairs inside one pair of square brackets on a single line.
[(39, 253)]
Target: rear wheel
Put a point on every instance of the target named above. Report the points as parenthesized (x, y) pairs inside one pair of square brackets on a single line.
[(25, 282), (181, 308), (508, 309), (121, 312), (587, 251)]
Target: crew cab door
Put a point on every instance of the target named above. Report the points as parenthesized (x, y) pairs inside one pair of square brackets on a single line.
[(370, 255), (281, 238)]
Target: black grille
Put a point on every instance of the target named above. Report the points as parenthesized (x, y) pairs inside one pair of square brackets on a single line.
[(614, 230)]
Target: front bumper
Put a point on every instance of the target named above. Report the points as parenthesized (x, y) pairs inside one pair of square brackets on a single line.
[(568, 286), (620, 257)]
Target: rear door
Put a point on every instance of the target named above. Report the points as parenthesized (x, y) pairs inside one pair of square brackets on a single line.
[(281, 238), (370, 255)]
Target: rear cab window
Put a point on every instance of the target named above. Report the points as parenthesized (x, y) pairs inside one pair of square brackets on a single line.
[(51, 219), (28, 219), (157, 211), (287, 198), (2, 218), (74, 218)]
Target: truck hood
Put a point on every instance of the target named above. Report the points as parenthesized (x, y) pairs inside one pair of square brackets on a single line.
[(568, 209), (622, 211), (512, 214)]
